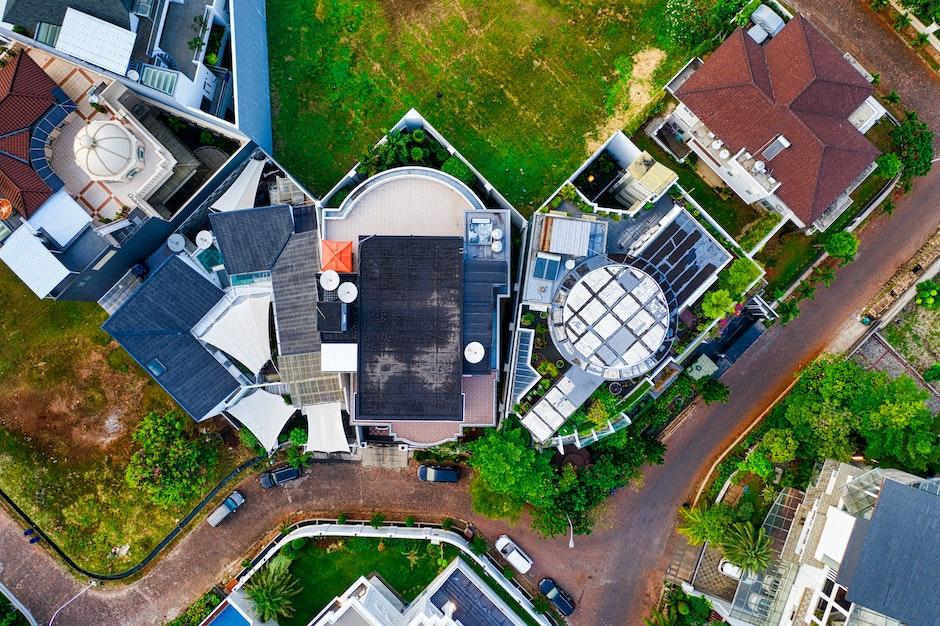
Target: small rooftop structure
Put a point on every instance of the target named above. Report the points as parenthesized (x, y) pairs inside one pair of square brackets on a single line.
[(251, 240), (25, 254), (105, 150), (336, 255), (96, 41), (410, 352)]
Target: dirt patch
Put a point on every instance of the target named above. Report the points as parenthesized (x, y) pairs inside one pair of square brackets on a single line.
[(631, 95), (400, 13)]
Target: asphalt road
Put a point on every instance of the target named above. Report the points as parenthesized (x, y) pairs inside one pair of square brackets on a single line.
[(616, 572)]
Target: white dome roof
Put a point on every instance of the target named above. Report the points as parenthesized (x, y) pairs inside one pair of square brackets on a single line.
[(105, 150)]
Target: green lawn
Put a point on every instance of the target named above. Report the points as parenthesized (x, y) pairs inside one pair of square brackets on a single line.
[(524, 89), (733, 215), (786, 256), (325, 573), (69, 401)]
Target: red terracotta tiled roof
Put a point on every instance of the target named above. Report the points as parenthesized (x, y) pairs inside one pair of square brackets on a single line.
[(26, 93), (797, 85)]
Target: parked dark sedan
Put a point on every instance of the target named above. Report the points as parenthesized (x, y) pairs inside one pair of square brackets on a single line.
[(557, 596), (438, 474), (273, 478)]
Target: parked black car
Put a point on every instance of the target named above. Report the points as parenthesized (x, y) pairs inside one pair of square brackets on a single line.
[(438, 474), (557, 596), (273, 478)]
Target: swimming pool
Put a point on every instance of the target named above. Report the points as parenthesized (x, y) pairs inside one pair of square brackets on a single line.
[(228, 616)]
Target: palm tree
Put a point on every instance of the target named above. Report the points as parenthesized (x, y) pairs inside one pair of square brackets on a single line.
[(704, 523), (893, 97), (825, 274), (270, 591), (806, 291), (788, 311), (658, 618), (888, 206), (877, 5), (902, 21), (920, 40), (748, 547)]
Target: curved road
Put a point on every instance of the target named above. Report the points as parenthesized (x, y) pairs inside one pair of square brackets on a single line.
[(614, 573)]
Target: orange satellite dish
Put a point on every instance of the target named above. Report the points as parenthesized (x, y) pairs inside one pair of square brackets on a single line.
[(6, 209)]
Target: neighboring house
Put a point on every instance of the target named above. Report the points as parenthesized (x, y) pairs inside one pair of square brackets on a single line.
[(414, 272), (456, 597), (152, 47), (611, 283), (858, 548), (92, 188), (780, 123)]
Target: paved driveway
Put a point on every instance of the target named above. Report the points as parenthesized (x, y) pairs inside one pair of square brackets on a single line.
[(616, 572)]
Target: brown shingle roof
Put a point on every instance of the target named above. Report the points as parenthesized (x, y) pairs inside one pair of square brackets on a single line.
[(26, 93), (797, 85)]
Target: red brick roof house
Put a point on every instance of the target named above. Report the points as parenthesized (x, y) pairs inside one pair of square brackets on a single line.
[(782, 123)]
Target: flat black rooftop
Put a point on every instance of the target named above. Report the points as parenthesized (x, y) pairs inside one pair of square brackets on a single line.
[(410, 353)]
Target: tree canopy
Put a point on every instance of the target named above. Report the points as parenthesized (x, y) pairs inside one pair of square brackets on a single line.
[(914, 141), (738, 276), (170, 464), (889, 165), (842, 245), (718, 303)]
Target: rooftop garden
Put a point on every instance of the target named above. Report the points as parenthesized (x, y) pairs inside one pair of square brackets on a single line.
[(490, 63)]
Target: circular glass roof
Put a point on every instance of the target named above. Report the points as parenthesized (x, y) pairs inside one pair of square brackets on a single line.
[(613, 321), (105, 150)]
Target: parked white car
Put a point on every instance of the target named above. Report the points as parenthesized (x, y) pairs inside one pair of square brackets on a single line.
[(513, 554)]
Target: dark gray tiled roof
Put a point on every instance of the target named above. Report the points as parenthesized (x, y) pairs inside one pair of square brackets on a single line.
[(474, 608), (156, 322), (252, 239), (27, 13), (294, 278), (899, 557), (410, 354)]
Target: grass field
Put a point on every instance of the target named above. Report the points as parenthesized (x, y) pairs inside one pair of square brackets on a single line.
[(70, 399), (525, 89)]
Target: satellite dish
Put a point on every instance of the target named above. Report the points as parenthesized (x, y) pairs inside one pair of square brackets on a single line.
[(497, 246), (176, 243), (347, 292), (724, 154), (759, 166), (569, 264), (329, 280), (497, 234), (474, 352), (204, 239), (133, 75)]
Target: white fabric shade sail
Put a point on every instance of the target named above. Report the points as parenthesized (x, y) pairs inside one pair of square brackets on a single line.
[(264, 414), (242, 331), (241, 195), (325, 431)]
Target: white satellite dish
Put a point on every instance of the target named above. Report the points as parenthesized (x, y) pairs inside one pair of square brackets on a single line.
[(176, 243), (133, 75), (347, 292), (497, 234), (724, 154), (329, 280), (204, 239), (474, 352), (759, 166), (497, 246), (569, 264)]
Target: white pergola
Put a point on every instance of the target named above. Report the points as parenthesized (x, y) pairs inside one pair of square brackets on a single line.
[(264, 414)]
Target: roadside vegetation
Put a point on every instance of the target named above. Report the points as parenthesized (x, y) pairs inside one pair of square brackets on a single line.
[(197, 611), (677, 608), (525, 89), (9, 616), (915, 332)]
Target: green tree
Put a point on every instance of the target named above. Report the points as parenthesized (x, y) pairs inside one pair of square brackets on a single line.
[(889, 165), (510, 467), (842, 245), (780, 444), (914, 141), (788, 310), (271, 591), (920, 40), (806, 291), (897, 425), (893, 97), (713, 390), (888, 206), (170, 464), (877, 5), (738, 276), (902, 21), (758, 463), (705, 523), (748, 547), (717, 304), (932, 374), (824, 274)]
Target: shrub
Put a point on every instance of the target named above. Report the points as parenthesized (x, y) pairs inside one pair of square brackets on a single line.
[(540, 604), (527, 319), (914, 141), (298, 437), (447, 523), (376, 520), (933, 373), (842, 245), (250, 441), (547, 368), (459, 170), (927, 294), (717, 304), (478, 545), (889, 165), (118, 360), (713, 390), (342, 518), (739, 275)]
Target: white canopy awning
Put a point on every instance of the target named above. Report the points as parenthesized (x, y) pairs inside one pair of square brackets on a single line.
[(325, 431), (94, 40), (32, 262), (241, 195), (242, 331), (264, 414), (61, 217)]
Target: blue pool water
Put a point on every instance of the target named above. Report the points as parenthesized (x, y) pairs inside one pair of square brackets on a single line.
[(229, 617)]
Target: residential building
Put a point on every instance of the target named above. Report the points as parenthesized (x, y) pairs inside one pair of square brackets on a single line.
[(781, 124), (93, 176), (413, 283), (179, 52), (610, 278), (458, 596), (857, 548)]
